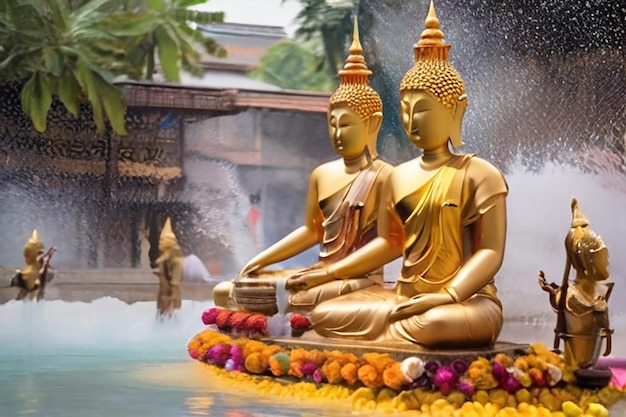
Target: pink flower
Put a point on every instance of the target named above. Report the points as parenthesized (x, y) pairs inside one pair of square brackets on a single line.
[(510, 384), (218, 354), (466, 388), (209, 315), (194, 354), (445, 379), (498, 371), (317, 376), (308, 368)]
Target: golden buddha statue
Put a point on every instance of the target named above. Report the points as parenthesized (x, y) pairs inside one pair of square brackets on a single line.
[(583, 317), (341, 206), (443, 212), (169, 270), (32, 279)]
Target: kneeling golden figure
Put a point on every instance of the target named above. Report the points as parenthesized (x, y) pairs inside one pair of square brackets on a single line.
[(444, 213), (582, 310), (341, 207)]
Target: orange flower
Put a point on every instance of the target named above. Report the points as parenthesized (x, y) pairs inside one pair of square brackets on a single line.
[(393, 376), (370, 377), (332, 371), (349, 372), (256, 363)]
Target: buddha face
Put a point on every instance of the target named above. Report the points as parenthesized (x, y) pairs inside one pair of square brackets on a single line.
[(347, 131), (427, 123)]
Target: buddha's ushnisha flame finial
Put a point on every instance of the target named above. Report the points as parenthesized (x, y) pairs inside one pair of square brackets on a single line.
[(167, 237), (355, 70), (34, 237), (431, 44), (578, 217)]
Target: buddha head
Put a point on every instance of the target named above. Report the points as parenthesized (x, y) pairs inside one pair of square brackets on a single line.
[(167, 239), (355, 109), (432, 93), (586, 250), (33, 248)]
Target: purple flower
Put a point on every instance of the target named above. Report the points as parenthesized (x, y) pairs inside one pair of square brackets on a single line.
[(209, 315), (236, 353), (498, 371), (445, 379), (218, 354), (459, 366), (317, 376), (510, 384), (230, 365), (431, 367), (466, 388), (308, 368)]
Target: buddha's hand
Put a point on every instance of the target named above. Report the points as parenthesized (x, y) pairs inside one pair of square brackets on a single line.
[(419, 304), (305, 280), (249, 269)]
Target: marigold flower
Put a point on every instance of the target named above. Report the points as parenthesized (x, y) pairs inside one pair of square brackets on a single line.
[(370, 377), (332, 371), (256, 363), (349, 372), (394, 377)]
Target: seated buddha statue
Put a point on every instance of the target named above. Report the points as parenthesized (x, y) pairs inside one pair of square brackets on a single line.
[(169, 270), (443, 212), (583, 316), (341, 206), (32, 279)]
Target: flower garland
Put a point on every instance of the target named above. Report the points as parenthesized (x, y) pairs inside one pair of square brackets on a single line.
[(535, 383)]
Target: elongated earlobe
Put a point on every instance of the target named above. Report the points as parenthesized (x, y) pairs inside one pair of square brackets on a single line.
[(457, 114)]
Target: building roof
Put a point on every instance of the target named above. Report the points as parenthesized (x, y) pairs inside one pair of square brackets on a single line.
[(245, 44)]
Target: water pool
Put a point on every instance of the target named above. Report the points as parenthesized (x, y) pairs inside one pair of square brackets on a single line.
[(108, 358)]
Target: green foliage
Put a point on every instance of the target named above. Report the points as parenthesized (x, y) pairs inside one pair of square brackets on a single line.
[(328, 26), (289, 65), (75, 49)]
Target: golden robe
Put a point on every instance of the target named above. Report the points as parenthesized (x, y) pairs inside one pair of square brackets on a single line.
[(345, 229), (435, 219)]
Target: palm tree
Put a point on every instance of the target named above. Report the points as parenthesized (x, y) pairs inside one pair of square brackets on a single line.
[(74, 50), (291, 66), (328, 26)]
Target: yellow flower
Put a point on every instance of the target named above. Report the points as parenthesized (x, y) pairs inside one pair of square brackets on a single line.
[(597, 410), (571, 409)]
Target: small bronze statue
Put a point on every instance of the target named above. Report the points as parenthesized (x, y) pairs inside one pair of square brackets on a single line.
[(169, 270), (32, 279), (581, 306)]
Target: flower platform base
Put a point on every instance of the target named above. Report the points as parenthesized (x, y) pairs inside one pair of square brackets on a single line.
[(397, 350)]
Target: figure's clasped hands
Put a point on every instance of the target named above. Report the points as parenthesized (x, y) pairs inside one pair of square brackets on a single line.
[(419, 304), (308, 279)]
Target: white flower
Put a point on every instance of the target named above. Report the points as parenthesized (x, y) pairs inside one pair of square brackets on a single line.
[(412, 368)]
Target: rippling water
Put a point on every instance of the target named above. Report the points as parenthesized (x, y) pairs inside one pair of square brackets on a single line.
[(108, 358)]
